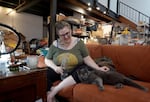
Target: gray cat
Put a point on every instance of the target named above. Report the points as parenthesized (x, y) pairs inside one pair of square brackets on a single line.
[(112, 77)]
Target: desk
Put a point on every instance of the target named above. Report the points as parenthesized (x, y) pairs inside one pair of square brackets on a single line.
[(24, 86)]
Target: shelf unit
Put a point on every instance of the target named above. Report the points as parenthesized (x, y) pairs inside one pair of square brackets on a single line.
[(143, 29)]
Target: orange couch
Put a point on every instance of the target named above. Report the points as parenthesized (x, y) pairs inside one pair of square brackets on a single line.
[(131, 61)]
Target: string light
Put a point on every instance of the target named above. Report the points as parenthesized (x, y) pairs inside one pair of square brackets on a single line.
[(89, 4), (94, 5), (89, 9), (98, 8)]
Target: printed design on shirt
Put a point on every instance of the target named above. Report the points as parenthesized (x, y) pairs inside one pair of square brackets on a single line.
[(67, 60)]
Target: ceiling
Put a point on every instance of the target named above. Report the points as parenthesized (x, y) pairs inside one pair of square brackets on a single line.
[(37, 7), (42, 8)]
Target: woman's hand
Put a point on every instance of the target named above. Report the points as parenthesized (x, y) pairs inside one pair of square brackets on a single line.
[(59, 70), (104, 68)]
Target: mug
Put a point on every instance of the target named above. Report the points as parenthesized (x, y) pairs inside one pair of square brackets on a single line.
[(32, 61)]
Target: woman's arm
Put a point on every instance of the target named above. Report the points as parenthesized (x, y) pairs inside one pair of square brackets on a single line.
[(52, 65), (90, 62)]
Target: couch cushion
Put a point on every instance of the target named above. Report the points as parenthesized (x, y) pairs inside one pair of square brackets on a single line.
[(130, 60), (67, 93), (91, 93), (95, 50)]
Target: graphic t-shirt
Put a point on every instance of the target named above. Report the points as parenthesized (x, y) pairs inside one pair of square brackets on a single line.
[(71, 57)]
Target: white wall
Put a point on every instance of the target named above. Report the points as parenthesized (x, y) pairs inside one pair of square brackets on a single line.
[(140, 5), (28, 24)]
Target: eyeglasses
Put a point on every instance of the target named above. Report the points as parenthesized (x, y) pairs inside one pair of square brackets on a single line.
[(66, 34)]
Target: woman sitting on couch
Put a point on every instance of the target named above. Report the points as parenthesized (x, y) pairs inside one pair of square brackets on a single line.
[(76, 52)]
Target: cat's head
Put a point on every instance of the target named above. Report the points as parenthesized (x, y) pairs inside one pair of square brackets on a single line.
[(83, 74)]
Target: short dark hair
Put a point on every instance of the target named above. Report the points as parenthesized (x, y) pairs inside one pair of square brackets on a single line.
[(60, 25)]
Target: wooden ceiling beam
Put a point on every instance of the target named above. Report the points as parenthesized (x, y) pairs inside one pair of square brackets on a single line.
[(28, 5), (80, 7)]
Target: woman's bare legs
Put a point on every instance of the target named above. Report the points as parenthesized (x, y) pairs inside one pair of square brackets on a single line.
[(66, 82)]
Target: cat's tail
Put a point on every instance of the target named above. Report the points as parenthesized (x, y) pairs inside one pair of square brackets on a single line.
[(130, 82)]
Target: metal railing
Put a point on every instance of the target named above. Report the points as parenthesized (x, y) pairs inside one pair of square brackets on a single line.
[(132, 14)]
